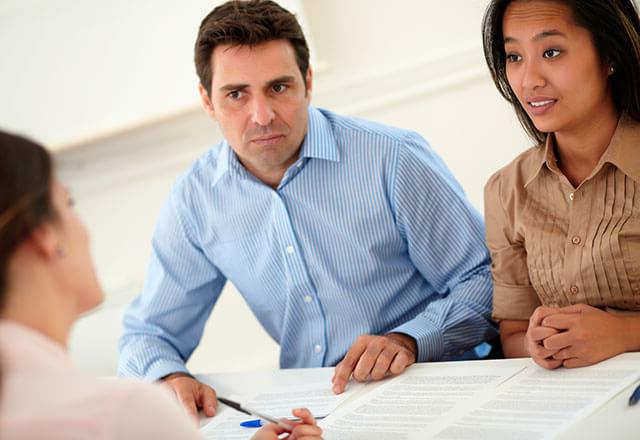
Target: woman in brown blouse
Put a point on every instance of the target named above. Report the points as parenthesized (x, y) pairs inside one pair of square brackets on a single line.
[(563, 219)]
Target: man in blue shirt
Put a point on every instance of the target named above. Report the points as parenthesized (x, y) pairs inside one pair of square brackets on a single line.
[(351, 241)]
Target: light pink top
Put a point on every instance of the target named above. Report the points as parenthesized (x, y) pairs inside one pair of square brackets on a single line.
[(44, 397)]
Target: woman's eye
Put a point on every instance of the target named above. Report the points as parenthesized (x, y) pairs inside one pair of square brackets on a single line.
[(551, 53), (513, 58)]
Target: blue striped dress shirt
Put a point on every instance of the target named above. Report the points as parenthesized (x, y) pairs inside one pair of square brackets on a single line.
[(367, 233)]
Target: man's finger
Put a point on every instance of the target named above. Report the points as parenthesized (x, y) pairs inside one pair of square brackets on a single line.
[(365, 364), (400, 362), (207, 399), (382, 364), (345, 367)]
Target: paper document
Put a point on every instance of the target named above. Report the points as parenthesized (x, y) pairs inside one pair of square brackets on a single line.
[(540, 404), (484, 401), (410, 405), (318, 398)]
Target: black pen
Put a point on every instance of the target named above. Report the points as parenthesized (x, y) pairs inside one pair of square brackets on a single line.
[(635, 396), (252, 412)]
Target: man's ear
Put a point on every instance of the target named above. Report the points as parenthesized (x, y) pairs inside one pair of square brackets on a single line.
[(308, 81), (206, 101), (45, 241)]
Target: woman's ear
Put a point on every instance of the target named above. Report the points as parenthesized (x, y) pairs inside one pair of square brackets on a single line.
[(45, 240)]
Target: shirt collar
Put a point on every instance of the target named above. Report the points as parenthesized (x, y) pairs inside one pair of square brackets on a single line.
[(320, 142), (623, 149), (621, 152), (543, 156)]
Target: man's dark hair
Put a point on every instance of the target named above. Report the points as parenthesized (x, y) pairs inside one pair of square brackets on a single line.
[(247, 23)]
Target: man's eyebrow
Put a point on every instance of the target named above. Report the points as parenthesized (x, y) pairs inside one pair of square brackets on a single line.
[(230, 87), (282, 79)]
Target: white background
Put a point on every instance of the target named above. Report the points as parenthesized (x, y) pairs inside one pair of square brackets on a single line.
[(110, 86)]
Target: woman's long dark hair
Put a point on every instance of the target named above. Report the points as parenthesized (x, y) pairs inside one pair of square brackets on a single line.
[(25, 197), (615, 28)]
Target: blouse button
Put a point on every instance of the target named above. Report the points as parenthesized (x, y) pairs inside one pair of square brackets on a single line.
[(575, 240), (571, 196), (574, 290)]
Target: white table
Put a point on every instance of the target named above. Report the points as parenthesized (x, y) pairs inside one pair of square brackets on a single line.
[(614, 421)]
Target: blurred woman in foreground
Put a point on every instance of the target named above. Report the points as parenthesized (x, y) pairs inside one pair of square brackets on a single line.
[(47, 280)]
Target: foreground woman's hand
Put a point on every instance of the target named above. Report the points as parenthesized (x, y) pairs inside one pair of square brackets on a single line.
[(305, 429)]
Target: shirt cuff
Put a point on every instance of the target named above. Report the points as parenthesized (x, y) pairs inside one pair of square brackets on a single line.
[(514, 302), (429, 339), (163, 369)]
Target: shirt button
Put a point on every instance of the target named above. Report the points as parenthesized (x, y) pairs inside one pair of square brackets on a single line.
[(290, 249), (317, 348), (575, 240), (299, 164), (574, 290), (571, 196), (307, 298)]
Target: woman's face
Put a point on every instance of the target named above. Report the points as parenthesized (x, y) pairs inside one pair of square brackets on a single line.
[(553, 67), (76, 272)]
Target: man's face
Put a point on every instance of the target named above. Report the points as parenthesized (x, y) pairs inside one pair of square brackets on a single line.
[(259, 98)]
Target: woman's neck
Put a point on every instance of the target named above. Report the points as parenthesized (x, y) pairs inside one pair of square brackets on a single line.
[(36, 305), (579, 149)]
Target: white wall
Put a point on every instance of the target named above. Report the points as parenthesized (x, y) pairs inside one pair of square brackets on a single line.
[(77, 70), (411, 63)]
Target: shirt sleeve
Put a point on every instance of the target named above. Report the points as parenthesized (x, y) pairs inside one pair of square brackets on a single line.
[(513, 297), (164, 324), (149, 412), (445, 238)]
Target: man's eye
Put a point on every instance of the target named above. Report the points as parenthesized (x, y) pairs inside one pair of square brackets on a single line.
[(235, 95), (279, 88)]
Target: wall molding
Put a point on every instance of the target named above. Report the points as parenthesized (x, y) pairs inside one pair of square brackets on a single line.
[(171, 144)]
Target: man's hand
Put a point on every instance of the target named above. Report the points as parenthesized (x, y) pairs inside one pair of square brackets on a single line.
[(586, 335), (375, 357), (536, 335), (191, 394), (306, 429)]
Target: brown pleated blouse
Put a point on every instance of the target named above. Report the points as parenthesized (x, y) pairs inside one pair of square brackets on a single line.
[(556, 245)]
